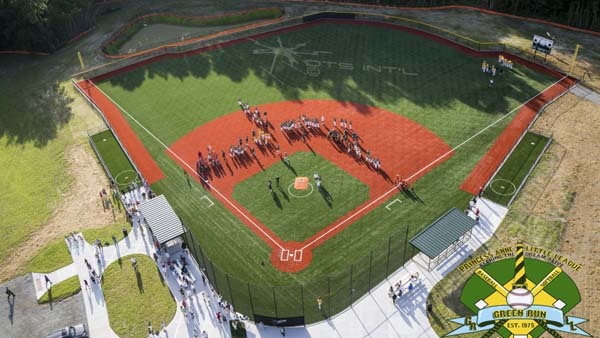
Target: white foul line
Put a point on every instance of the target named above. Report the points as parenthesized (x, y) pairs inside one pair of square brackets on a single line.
[(192, 169), (425, 167)]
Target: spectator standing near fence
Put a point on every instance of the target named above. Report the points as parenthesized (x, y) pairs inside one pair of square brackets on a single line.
[(319, 302)]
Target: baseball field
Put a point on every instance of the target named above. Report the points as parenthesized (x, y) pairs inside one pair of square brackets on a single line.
[(418, 105)]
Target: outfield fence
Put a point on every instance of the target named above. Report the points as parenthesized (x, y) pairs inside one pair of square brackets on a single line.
[(197, 45), (289, 305)]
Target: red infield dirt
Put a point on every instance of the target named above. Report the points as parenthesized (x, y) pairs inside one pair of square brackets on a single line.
[(140, 156), (403, 146), (510, 136)]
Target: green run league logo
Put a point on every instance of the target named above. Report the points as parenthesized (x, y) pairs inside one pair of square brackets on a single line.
[(520, 292)]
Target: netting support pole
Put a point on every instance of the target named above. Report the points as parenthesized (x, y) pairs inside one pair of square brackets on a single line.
[(387, 265)]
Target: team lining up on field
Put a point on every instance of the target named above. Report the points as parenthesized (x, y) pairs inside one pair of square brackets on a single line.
[(241, 152)]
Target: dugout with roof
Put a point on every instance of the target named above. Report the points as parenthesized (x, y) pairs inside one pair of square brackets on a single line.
[(444, 236), (166, 227)]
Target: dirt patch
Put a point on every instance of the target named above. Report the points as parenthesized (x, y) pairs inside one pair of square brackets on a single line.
[(575, 126)]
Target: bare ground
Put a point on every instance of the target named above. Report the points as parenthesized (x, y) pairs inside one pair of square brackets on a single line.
[(81, 207), (575, 124)]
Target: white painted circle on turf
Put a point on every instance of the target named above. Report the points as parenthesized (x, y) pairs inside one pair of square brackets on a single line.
[(498, 180), (300, 196), (126, 174)]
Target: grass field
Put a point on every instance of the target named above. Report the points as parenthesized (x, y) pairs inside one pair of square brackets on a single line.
[(53, 256), (132, 300), (62, 290), (295, 218), (115, 159), (507, 180), (172, 97)]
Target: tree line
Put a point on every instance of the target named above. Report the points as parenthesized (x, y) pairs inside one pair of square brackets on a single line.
[(577, 13), (43, 25)]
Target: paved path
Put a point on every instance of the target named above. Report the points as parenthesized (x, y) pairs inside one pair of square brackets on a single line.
[(374, 315), (586, 93)]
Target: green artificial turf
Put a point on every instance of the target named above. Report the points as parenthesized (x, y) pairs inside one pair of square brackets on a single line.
[(508, 179), (62, 290), (286, 211), (114, 158), (449, 95), (133, 300)]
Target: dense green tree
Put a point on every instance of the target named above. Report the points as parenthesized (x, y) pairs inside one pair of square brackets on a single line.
[(43, 25), (577, 13)]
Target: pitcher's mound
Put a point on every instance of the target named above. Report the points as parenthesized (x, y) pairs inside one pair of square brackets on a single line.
[(301, 183)]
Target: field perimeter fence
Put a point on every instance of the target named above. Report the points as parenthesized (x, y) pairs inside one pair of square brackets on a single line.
[(337, 290), (197, 45)]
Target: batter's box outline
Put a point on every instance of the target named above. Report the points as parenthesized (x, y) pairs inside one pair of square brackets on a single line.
[(298, 255), (392, 202), (285, 255), (209, 200)]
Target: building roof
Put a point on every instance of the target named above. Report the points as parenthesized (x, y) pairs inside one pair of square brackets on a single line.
[(162, 219), (442, 233)]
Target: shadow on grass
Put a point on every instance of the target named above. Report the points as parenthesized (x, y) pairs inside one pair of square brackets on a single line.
[(326, 196), (283, 193), (160, 276), (411, 81), (410, 193), (38, 118), (140, 282), (276, 199), (290, 167)]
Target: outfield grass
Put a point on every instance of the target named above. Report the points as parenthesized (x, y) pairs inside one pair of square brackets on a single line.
[(450, 96), (296, 218), (507, 180), (115, 159), (62, 290), (134, 299)]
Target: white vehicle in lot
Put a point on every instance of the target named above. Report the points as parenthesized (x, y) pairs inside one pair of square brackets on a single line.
[(77, 331)]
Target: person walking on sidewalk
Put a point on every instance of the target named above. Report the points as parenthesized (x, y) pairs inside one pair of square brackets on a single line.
[(47, 280), (9, 293)]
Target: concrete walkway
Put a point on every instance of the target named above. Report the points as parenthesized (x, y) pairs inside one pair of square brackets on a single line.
[(586, 93), (374, 315)]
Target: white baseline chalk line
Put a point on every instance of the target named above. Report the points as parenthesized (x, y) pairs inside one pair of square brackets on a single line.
[(192, 169), (427, 166)]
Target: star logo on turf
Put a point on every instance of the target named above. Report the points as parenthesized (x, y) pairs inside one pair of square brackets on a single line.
[(289, 55)]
